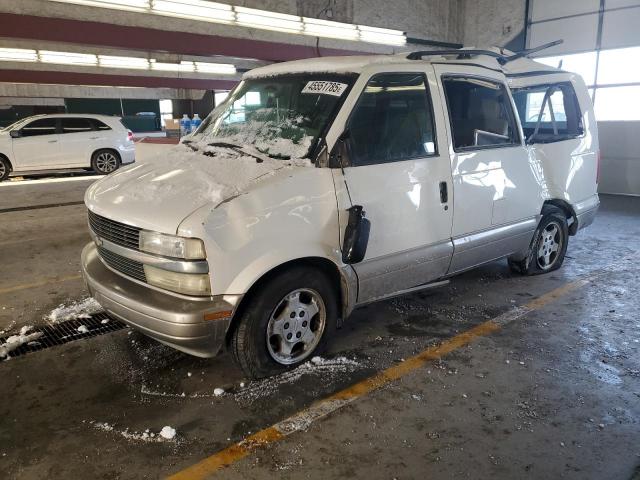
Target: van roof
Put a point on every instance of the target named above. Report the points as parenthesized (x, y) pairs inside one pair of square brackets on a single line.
[(356, 63)]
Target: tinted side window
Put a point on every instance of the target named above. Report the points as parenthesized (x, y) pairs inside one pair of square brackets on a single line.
[(549, 113), (76, 125), (99, 125), (392, 120), (43, 126), (480, 113)]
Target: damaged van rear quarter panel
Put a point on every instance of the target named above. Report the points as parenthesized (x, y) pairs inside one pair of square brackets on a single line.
[(287, 216)]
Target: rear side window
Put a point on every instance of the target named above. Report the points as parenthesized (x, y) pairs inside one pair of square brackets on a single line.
[(100, 125), (549, 113), (76, 125), (392, 120), (480, 113), (43, 126)]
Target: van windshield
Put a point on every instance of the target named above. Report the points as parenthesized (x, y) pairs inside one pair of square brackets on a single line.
[(282, 116)]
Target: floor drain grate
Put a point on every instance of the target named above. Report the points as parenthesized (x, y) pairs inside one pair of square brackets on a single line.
[(65, 332)]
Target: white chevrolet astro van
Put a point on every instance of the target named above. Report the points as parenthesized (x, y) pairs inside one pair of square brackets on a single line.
[(324, 184)]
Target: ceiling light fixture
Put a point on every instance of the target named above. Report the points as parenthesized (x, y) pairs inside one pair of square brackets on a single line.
[(214, 12), (67, 58), (18, 55)]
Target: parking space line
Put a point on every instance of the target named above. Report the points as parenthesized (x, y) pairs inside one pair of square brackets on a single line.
[(42, 283), (302, 420)]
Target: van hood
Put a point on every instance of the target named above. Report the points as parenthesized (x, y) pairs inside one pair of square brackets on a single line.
[(160, 193)]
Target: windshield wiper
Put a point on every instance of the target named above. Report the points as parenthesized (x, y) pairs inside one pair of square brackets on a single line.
[(236, 148)]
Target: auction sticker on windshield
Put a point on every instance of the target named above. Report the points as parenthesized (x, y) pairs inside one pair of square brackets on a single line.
[(325, 88)]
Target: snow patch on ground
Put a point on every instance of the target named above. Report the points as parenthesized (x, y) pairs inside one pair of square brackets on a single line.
[(325, 368), (15, 341), (167, 434), (80, 309)]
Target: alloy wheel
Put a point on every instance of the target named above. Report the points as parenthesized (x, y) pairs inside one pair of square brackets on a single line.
[(549, 246), (106, 162), (296, 326)]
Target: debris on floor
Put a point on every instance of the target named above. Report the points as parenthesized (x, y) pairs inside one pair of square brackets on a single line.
[(15, 341)]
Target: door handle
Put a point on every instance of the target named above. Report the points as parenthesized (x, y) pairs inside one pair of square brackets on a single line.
[(444, 194), (52, 141)]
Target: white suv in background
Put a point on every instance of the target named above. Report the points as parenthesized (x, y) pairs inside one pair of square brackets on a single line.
[(65, 141)]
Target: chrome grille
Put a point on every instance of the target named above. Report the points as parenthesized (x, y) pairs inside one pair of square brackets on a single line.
[(122, 264), (115, 232)]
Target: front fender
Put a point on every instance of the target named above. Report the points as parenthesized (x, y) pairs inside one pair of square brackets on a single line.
[(288, 216)]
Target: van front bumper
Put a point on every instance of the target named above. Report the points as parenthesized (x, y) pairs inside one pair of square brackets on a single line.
[(177, 321)]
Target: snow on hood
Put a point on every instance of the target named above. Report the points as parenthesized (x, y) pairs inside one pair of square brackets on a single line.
[(159, 194)]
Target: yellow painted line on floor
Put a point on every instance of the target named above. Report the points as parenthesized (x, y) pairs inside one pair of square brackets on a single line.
[(42, 283), (303, 419)]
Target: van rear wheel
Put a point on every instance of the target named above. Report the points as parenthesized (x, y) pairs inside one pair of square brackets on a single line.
[(548, 247), (285, 323)]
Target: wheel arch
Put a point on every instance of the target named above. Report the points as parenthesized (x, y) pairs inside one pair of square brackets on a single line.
[(572, 219), (329, 268), (106, 149)]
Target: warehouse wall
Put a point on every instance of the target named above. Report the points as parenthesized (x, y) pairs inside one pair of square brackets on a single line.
[(620, 162), (488, 23)]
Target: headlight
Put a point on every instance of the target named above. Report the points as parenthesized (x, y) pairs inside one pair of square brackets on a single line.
[(186, 283), (171, 245)]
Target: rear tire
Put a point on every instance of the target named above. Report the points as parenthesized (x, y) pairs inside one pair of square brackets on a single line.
[(5, 168), (285, 323), (105, 161), (548, 247)]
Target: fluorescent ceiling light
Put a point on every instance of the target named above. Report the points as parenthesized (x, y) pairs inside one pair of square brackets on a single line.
[(173, 67), (214, 12), (250, 17), (222, 68), (382, 35), (133, 5), (68, 58), (18, 55), (196, 9), (110, 61), (324, 28)]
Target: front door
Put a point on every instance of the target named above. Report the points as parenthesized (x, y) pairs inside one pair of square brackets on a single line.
[(38, 145), (402, 181)]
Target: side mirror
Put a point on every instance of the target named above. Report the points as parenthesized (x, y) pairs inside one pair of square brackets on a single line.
[(339, 156), (15, 134), (356, 236)]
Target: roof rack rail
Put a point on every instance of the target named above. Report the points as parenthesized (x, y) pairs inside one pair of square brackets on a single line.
[(468, 53), (460, 52)]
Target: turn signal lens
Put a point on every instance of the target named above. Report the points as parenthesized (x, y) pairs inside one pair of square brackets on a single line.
[(171, 245), (186, 283)]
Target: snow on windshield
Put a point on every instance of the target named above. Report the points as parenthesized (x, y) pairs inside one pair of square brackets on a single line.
[(280, 117), (269, 131)]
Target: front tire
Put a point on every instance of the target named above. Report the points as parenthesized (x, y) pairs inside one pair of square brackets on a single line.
[(286, 322), (105, 162), (549, 245), (5, 169)]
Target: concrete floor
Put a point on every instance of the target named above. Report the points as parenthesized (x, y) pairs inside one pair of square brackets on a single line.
[(554, 394)]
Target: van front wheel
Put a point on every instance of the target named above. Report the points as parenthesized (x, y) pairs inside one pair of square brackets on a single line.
[(548, 247), (286, 322)]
